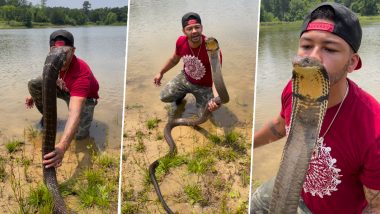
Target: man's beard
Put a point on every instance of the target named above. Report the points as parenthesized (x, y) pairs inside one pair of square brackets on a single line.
[(337, 77)]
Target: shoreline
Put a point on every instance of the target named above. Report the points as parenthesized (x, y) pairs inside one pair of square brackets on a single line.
[(37, 25)]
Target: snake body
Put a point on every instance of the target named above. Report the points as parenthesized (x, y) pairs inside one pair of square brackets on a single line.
[(213, 52), (310, 86), (53, 64)]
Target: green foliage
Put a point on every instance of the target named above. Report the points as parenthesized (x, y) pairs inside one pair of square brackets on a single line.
[(13, 146), (129, 208), (27, 14), (285, 10), (41, 199), (96, 191), (201, 161), (110, 18), (3, 173), (168, 162), (106, 161), (152, 123), (194, 194)]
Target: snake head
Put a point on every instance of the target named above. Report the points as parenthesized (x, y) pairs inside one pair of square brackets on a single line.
[(212, 44), (64, 54)]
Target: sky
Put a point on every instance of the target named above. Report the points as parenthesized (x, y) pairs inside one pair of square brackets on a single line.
[(79, 3)]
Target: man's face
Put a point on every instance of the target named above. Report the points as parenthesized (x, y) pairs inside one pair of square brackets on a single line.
[(331, 50), (193, 32)]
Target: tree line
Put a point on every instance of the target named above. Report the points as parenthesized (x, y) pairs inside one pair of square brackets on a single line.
[(29, 14), (292, 10)]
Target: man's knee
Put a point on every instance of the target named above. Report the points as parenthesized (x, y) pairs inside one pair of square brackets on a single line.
[(35, 84)]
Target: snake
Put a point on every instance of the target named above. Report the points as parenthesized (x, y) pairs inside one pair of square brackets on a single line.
[(55, 60), (213, 51), (310, 86)]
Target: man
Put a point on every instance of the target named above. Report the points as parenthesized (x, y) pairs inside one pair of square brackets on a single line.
[(77, 86), (196, 75), (344, 177)]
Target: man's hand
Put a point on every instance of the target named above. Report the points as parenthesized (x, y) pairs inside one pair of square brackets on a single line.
[(373, 199), (54, 158), (212, 105), (157, 79), (29, 102)]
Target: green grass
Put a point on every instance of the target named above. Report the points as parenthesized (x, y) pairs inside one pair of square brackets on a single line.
[(41, 199), (3, 173), (96, 190), (152, 123), (140, 147), (105, 160), (168, 162), (194, 194), (232, 140), (13, 146), (202, 160), (129, 208), (31, 133)]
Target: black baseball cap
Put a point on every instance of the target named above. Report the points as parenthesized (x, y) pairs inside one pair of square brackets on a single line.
[(346, 25), (191, 18), (62, 35)]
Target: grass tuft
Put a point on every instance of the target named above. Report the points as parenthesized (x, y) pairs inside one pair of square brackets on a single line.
[(13, 146), (41, 199), (194, 194), (152, 123)]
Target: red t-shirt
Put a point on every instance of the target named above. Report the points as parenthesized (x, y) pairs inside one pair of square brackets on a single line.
[(79, 79), (349, 157), (195, 62)]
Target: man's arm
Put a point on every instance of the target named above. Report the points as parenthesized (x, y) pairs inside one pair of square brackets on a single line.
[(373, 199), (173, 61), (272, 131), (54, 159)]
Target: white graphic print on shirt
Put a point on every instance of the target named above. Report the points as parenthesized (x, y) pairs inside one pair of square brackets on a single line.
[(322, 176), (194, 67)]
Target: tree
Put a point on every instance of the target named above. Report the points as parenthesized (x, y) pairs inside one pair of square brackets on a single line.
[(86, 6), (43, 3), (9, 12), (111, 18)]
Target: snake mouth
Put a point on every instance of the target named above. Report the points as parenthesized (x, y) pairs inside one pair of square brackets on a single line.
[(64, 55)]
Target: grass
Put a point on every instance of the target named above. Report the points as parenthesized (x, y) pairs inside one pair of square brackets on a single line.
[(140, 147), (41, 199), (232, 139), (13, 146), (201, 161), (31, 133), (168, 162), (105, 160), (194, 193), (152, 123), (95, 190), (3, 173)]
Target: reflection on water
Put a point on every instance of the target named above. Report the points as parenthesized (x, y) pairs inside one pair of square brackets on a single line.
[(23, 52), (154, 30), (276, 50)]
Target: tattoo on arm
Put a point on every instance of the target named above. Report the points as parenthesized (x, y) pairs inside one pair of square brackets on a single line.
[(373, 198), (274, 130)]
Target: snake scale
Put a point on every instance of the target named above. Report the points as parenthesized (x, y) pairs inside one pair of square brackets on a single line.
[(53, 64), (213, 52), (310, 86)]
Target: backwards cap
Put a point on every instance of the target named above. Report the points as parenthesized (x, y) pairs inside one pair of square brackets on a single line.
[(66, 35), (191, 18), (346, 25)]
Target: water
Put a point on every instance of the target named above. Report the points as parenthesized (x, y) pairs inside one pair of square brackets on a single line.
[(277, 47), (23, 53), (154, 29)]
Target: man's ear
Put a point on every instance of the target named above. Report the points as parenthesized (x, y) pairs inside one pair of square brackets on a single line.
[(354, 61)]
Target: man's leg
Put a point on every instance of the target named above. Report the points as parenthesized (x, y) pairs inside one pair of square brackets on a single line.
[(202, 95), (35, 90), (261, 199), (175, 90)]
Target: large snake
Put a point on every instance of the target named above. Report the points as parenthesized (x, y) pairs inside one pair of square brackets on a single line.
[(54, 62), (213, 52), (310, 86)]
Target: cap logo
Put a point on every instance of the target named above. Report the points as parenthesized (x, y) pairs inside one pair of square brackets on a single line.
[(59, 43), (320, 26), (192, 21)]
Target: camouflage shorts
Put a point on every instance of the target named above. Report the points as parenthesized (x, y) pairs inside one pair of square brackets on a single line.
[(35, 90), (178, 87), (261, 198)]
